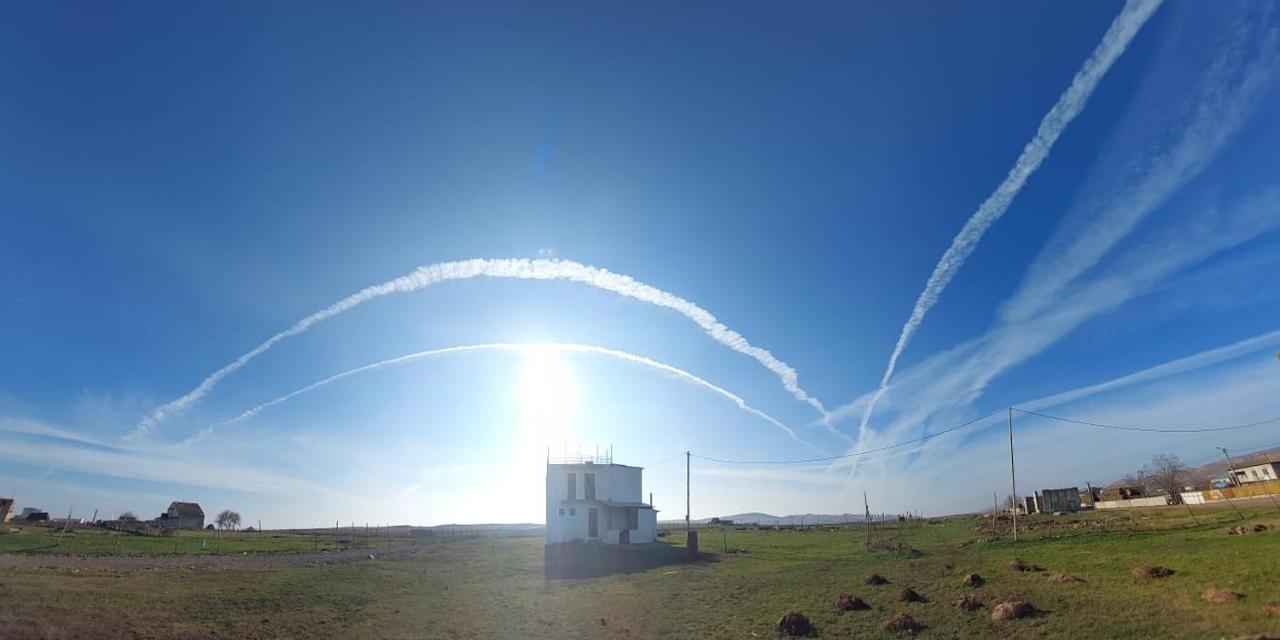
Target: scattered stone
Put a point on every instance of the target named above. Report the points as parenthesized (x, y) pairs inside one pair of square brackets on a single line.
[(968, 602), (371, 557), (1236, 530), (1011, 610), (1260, 636), (903, 623), (1063, 578), (973, 580), (846, 602), (875, 578), (1221, 596), (603, 622), (1149, 571), (1018, 564), (1259, 528), (794, 624), (907, 594)]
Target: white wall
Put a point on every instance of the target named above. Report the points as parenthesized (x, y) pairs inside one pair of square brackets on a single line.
[(1156, 501)]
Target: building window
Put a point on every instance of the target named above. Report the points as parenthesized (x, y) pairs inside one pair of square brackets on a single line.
[(589, 486), (572, 511), (573, 486), (562, 512)]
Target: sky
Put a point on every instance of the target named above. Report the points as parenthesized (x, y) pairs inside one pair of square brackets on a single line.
[(754, 233)]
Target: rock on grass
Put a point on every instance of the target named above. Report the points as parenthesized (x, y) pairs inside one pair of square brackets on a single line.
[(875, 578), (968, 602), (973, 580)]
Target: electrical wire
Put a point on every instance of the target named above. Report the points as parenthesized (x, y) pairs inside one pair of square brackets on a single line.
[(1148, 429), (855, 453)]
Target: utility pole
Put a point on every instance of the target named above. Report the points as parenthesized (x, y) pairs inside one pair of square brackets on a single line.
[(687, 455), (1232, 465), (1013, 477)]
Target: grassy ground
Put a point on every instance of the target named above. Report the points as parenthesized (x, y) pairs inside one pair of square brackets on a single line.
[(43, 539), (494, 587)]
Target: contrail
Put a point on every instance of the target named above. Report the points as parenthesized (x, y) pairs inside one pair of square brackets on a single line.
[(1069, 105), (514, 268), (508, 346)]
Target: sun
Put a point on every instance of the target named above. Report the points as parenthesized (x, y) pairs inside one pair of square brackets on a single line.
[(548, 396)]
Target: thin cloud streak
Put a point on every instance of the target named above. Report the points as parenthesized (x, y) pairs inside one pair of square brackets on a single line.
[(513, 268), (680, 374), (1114, 42)]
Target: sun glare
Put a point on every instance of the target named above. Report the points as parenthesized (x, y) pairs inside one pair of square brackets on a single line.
[(548, 396)]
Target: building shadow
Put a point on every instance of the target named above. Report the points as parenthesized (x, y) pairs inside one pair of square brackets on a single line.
[(593, 560)]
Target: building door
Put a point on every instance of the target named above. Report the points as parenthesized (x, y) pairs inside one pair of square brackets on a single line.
[(593, 525)]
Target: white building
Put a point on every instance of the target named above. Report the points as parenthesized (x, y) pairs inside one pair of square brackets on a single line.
[(597, 501), (1255, 473)]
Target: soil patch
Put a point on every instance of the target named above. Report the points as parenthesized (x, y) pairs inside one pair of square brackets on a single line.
[(794, 624), (968, 602), (907, 594), (846, 602), (1220, 596), (1012, 610), (1018, 564), (1149, 571), (1064, 578), (1272, 608), (903, 623)]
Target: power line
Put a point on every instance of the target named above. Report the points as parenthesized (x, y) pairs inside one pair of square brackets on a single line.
[(1148, 429), (855, 453)]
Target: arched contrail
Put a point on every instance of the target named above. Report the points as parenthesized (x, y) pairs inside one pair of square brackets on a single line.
[(1070, 103), (515, 268), (509, 346)]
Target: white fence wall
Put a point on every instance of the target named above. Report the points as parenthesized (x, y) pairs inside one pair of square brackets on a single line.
[(1156, 501)]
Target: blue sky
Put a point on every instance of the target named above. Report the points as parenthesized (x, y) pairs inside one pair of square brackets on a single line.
[(182, 183)]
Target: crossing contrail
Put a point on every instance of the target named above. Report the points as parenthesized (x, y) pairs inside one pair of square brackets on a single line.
[(680, 374), (512, 268), (1069, 105)]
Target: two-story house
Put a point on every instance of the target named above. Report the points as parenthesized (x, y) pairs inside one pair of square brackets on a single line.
[(598, 501)]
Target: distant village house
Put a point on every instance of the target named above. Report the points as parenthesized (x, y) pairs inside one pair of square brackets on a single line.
[(182, 515)]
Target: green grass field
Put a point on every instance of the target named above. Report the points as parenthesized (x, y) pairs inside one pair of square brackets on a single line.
[(494, 587), (40, 539)]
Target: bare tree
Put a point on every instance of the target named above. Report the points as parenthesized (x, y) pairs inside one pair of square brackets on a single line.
[(1012, 502), (127, 516), (1166, 474), (228, 519)]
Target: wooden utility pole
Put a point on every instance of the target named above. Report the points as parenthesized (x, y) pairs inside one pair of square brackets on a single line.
[(687, 456), (1013, 477)]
